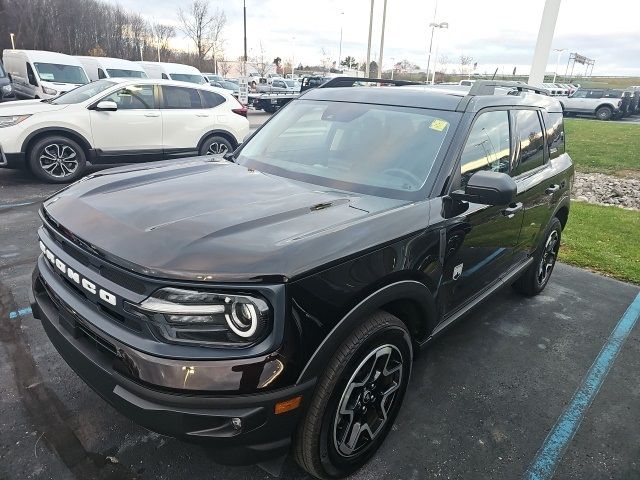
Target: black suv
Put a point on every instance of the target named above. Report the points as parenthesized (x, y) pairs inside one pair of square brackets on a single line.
[(277, 297)]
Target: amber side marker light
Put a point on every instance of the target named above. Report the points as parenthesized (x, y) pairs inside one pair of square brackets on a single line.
[(291, 404)]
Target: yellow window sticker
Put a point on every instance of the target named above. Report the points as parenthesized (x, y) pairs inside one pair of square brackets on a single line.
[(438, 125)]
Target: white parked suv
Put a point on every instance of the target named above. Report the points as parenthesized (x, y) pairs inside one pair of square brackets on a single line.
[(118, 121)]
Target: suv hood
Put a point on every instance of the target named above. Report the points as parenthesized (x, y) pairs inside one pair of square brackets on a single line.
[(218, 221), (28, 107)]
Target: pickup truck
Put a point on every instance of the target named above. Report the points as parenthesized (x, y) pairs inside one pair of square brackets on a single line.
[(274, 298)]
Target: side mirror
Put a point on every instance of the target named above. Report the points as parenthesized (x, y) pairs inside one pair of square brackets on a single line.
[(488, 188), (107, 106), (9, 77)]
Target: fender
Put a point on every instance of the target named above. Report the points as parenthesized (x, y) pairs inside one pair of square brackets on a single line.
[(78, 136), (405, 289), (223, 133)]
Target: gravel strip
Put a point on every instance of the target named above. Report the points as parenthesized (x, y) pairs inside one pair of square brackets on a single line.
[(607, 190)]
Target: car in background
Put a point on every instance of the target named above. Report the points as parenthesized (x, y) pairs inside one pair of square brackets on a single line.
[(98, 68), (234, 88), (292, 84), (555, 90), (118, 121), (308, 83), (212, 77), (602, 103), (173, 71), (276, 85), (6, 89), (38, 74)]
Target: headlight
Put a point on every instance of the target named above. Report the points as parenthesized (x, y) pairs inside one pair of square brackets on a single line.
[(49, 91), (7, 88), (12, 120), (189, 316)]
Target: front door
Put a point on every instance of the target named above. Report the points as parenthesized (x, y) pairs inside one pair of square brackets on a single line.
[(133, 133), (481, 240)]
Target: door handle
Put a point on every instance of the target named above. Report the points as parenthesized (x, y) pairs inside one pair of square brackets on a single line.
[(202, 114), (152, 114), (552, 189), (512, 209)]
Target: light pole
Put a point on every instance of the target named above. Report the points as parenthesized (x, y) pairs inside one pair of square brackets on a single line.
[(13, 41), (340, 49), (432, 25), (384, 19), (393, 66), (435, 61), (366, 71), (559, 50), (293, 56)]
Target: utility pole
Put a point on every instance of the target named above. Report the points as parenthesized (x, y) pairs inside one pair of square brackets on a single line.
[(13, 40), (543, 44), (432, 25), (366, 74), (340, 48), (384, 19), (244, 4), (555, 73)]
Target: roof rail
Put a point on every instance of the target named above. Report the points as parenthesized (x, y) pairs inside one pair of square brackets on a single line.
[(487, 87), (351, 81)]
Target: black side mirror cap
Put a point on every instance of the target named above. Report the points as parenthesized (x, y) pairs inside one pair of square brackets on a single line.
[(488, 188)]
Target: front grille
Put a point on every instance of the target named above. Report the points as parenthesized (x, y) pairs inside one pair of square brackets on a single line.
[(101, 343), (123, 280)]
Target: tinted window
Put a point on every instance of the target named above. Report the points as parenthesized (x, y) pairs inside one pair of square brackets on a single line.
[(488, 146), (373, 149), (119, 73), (211, 99), (555, 134), (531, 141), (594, 94), (612, 94), (31, 76), (135, 97), (180, 97), (190, 78), (101, 73), (53, 72), (165, 76), (579, 94)]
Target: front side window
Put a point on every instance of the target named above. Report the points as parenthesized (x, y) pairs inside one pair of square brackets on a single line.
[(54, 72), (83, 93), (579, 94), (531, 141), (373, 149), (187, 77), (121, 73), (133, 97), (2, 72), (181, 98), (488, 146), (31, 76)]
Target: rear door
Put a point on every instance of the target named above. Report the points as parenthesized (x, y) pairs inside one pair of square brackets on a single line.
[(185, 120), (481, 239), (132, 133)]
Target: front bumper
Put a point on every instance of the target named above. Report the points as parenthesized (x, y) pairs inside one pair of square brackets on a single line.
[(243, 429)]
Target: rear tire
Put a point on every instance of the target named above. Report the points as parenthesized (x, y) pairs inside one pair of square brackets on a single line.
[(356, 400), (536, 277), (604, 113), (216, 145), (57, 159)]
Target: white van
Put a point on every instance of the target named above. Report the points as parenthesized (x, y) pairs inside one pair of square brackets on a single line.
[(106, 67), (40, 74), (173, 71)]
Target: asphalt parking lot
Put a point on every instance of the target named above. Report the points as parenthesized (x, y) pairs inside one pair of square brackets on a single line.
[(480, 404)]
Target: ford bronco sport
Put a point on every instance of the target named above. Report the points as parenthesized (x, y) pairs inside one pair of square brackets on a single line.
[(275, 299)]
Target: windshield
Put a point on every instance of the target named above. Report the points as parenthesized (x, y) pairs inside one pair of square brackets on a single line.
[(372, 149), (187, 77), (83, 93), (118, 73), (229, 85), (53, 72)]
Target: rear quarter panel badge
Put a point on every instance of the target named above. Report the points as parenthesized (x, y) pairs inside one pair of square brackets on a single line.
[(457, 271)]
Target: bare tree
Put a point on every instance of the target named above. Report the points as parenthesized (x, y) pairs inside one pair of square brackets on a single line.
[(261, 62), (224, 66), (465, 61), (444, 62), (203, 27), (161, 36)]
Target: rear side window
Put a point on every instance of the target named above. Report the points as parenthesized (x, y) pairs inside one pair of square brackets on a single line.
[(101, 73), (488, 146), (181, 98), (594, 94), (555, 134), (531, 141), (612, 94), (211, 99)]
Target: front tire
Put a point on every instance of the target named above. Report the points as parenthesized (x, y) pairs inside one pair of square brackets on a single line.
[(356, 400), (604, 113), (536, 277), (57, 159)]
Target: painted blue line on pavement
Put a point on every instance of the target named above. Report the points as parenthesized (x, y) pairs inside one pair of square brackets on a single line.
[(11, 205), (554, 446), (20, 313)]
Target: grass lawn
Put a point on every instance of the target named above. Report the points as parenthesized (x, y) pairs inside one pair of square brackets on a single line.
[(607, 147), (603, 239)]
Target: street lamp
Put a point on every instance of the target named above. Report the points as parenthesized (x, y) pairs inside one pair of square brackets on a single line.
[(559, 50), (340, 49), (433, 26), (293, 56), (13, 41)]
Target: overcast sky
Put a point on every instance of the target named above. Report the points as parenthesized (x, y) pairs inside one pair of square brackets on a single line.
[(496, 33)]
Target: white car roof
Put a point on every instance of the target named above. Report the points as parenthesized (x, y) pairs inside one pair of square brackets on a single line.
[(48, 57), (174, 67), (161, 81), (117, 63)]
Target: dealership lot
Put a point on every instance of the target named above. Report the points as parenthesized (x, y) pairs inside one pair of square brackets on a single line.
[(482, 400)]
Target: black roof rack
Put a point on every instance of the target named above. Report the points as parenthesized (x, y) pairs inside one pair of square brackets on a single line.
[(351, 81), (487, 87)]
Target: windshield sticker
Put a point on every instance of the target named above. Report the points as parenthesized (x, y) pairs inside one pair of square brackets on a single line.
[(47, 76), (438, 125)]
